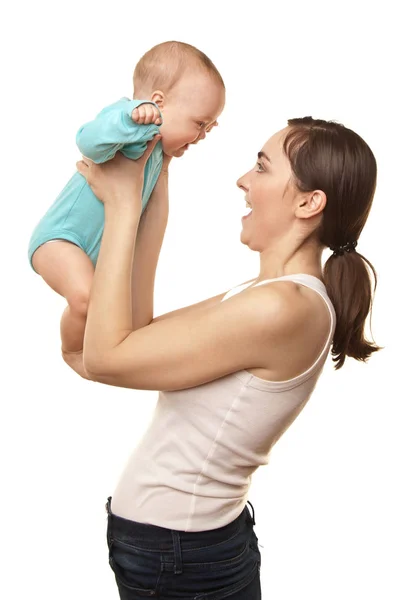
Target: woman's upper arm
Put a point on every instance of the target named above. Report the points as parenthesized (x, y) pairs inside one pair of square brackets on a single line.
[(194, 307), (200, 346)]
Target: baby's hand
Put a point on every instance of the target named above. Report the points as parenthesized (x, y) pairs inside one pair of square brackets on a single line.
[(146, 114)]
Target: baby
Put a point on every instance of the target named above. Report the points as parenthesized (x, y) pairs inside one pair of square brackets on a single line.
[(179, 93)]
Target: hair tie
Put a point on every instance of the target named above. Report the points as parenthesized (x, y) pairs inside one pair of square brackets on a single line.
[(340, 250)]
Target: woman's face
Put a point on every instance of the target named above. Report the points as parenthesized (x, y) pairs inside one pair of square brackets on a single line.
[(270, 193)]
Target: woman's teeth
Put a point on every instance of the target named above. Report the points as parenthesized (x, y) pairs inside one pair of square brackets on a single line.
[(249, 209)]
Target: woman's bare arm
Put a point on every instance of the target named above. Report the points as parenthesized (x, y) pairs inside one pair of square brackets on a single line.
[(150, 236), (195, 307)]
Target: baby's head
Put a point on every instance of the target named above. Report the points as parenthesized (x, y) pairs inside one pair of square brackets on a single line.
[(187, 88)]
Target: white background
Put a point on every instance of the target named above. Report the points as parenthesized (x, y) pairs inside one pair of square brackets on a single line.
[(327, 504)]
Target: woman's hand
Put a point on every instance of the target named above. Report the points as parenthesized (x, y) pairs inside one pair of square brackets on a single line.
[(165, 165), (117, 181)]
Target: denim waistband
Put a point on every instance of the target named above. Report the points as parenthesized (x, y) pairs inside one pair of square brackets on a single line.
[(155, 537)]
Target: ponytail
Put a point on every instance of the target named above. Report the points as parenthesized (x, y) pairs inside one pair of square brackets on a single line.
[(349, 286), (327, 156)]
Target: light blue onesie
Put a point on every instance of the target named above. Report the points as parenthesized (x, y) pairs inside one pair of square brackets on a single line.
[(77, 215)]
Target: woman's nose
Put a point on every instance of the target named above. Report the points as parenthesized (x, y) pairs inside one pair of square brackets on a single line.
[(242, 183)]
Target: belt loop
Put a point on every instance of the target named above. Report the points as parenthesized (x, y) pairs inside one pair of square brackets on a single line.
[(177, 552), (108, 506), (252, 508)]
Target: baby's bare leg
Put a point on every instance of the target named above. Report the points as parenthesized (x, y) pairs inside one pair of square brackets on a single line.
[(69, 272)]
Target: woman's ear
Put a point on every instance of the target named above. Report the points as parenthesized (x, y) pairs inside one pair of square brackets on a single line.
[(310, 204), (158, 98)]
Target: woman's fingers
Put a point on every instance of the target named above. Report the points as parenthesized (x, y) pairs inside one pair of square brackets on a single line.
[(150, 148), (82, 168), (166, 160), (84, 165)]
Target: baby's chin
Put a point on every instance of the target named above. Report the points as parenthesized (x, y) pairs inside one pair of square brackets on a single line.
[(176, 153)]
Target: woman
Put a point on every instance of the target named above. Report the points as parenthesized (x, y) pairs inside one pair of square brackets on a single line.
[(233, 371)]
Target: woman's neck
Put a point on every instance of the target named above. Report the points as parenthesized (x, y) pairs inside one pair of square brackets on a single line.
[(280, 261)]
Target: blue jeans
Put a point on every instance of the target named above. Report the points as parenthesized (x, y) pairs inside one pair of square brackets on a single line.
[(154, 562)]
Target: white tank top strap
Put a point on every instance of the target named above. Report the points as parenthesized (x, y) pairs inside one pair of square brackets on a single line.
[(235, 290)]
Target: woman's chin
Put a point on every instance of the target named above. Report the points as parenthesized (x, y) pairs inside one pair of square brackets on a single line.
[(244, 238), (247, 241)]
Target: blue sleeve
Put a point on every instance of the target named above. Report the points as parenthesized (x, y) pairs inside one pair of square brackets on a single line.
[(113, 129)]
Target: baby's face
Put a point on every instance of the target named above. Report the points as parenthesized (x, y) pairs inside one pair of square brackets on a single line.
[(191, 112)]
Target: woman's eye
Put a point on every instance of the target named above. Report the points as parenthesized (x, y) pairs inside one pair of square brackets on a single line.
[(201, 123), (259, 168)]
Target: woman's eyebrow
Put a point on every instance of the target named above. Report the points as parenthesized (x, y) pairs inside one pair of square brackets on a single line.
[(262, 154)]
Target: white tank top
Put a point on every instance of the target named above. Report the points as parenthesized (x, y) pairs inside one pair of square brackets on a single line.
[(192, 469)]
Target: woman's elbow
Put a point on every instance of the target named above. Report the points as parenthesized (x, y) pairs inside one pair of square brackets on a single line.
[(96, 368)]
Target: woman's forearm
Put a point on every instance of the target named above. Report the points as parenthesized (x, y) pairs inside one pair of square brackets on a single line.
[(149, 240), (109, 319)]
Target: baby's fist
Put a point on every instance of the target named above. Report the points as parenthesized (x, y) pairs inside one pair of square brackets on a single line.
[(146, 114)]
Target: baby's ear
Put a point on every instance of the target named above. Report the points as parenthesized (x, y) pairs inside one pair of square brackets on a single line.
[(158, 98)]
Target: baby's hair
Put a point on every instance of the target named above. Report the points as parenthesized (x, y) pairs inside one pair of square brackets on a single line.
[(162, 66)]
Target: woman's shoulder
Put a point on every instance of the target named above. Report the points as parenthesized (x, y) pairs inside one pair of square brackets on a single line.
[(297, 325), (280, 306)]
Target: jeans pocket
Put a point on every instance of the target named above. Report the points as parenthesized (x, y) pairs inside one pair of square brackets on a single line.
[(224, 570), (135, 569), (228, 590)]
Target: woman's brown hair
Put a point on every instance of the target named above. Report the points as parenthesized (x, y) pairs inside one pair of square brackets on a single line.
[(327, 156)]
